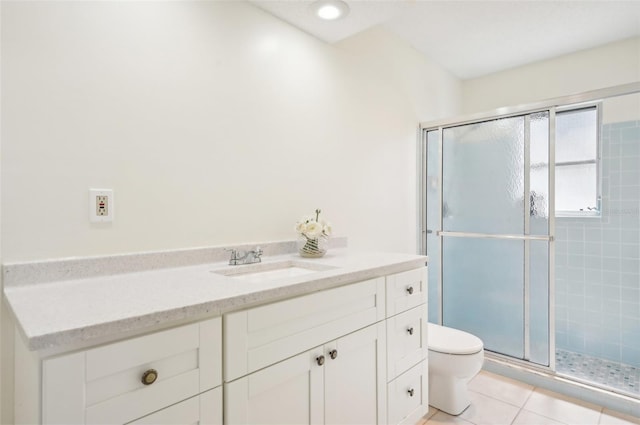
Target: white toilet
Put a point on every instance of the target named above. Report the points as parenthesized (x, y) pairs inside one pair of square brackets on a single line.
[(455, 357)]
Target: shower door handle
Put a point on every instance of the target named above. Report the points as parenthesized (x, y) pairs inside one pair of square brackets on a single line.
[(547, 238)]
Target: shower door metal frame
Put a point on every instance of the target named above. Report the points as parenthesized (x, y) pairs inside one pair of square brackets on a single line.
[(522, 110)]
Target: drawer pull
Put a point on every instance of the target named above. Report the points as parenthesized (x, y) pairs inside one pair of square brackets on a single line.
[(410, 290), (410, 330), (410, 391), (320, 360), (333, 354), (149, 377)]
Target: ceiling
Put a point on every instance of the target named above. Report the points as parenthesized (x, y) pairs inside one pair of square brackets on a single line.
[(479, 37)]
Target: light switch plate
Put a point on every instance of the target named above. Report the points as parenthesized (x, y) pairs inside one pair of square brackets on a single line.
[(100, 205)]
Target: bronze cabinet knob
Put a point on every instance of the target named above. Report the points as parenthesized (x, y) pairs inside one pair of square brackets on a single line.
[(410, 290), (333, 354), (149, 377), (410, 330), (320, 360), (410, 391)]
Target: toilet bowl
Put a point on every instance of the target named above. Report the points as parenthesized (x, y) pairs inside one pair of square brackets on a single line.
[(455, 357)]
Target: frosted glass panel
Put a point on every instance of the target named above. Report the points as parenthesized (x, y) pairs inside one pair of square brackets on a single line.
[(539, 302), (539, 135), (539, 250), (483, 287), (539, 174), (433, 223), (576, 187), (576, 135), (483, 181)]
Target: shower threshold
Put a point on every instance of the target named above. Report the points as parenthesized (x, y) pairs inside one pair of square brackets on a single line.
[(617, 377)]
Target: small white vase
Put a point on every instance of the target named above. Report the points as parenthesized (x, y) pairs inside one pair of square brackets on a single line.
[(313, 248)]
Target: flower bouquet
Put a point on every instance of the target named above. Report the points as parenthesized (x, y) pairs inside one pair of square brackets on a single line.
[(313, 240)]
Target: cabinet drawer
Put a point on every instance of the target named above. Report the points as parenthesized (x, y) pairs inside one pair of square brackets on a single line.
[(204, 409), (408, 396), (264, 335), (406, 290), (407, 340), (104, 384)]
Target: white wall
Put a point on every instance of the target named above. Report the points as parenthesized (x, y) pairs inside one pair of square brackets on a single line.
[(214, 123), (605, 66), (429, 88)]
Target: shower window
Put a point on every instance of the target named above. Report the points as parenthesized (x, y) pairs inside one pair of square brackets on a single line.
[(577, 162)]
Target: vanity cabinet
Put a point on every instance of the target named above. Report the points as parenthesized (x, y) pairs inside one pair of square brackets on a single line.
[(352, 354), (125, 381), (341, 382)]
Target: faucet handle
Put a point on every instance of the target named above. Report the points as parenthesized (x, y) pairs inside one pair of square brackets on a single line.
[(234, 256), (257, 252)]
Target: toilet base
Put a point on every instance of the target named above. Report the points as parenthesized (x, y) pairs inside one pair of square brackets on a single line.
[(448, 394)]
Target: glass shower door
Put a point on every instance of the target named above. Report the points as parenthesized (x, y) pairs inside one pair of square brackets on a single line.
[(493, 232)]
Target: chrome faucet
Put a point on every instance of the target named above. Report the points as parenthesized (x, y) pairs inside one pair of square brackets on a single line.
[(245, 257)]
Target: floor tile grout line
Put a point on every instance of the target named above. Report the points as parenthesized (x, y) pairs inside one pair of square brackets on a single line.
[(533, 389), (600, 408), (523, 404), (503, 401)]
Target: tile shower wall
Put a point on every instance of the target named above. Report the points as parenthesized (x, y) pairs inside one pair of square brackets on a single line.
[(598, 259)]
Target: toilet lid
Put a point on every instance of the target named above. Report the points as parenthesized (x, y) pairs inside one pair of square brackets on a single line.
[(452, 341)]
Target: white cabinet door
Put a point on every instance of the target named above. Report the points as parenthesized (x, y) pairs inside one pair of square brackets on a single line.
[(355, 378), (289, 392), (204, 409), (347, 386)]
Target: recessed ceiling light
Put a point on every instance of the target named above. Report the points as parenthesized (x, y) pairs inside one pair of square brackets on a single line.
[(330, 10)]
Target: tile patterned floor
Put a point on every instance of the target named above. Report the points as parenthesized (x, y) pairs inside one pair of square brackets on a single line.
[(496, 400), (618, 376)]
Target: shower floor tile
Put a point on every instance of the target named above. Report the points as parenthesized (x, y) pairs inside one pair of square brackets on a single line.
[(617, 376)]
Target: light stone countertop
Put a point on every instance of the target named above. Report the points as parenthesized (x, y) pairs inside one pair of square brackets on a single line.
[(72, 312)]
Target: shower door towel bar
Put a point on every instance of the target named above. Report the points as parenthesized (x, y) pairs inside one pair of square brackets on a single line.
[(494, 236)]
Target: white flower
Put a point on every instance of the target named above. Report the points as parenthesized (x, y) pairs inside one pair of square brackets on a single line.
[(312, 227), (313, 230), (301, 227)]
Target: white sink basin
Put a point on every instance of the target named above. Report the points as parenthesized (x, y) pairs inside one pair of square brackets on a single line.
[(263, 272)]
